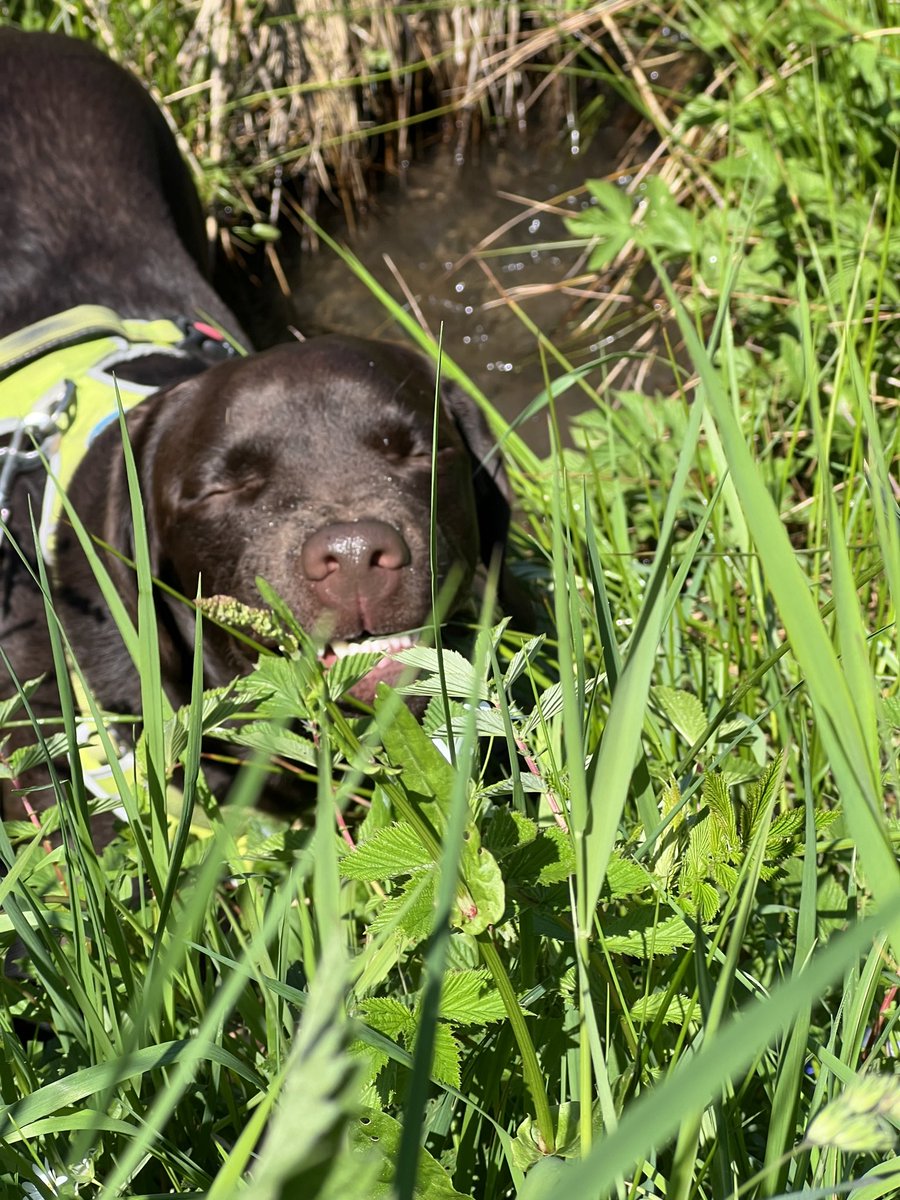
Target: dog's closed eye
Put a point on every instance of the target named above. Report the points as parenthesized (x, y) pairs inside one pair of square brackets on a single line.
[(241, 471), (402, 443)]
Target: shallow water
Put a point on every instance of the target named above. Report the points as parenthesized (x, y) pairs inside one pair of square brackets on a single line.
[(428, 223)]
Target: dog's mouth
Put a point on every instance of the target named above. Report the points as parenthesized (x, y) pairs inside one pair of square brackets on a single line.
[(386, 670)]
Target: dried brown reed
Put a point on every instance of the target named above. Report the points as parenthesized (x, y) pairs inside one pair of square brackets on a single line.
[(304, 88)]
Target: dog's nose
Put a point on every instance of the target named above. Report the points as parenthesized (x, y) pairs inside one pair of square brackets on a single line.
[(354, 549), (354, 564)]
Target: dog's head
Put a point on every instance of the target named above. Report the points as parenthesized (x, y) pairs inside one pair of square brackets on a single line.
[(310, 465)]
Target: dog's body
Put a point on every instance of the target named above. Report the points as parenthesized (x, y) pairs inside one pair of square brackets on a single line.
[(308, 465)]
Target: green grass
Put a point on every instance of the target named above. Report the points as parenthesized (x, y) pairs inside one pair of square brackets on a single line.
[(640, 938)]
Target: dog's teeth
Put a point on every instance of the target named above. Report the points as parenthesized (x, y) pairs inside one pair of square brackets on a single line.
[(379, 645)]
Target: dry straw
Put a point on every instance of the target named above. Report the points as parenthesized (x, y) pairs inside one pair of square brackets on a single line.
[(290, 88)]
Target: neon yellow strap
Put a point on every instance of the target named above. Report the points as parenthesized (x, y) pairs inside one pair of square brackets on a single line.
[(87, 321)]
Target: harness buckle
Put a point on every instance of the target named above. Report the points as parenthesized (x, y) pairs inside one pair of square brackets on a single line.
[(206, 339), (51, 415)]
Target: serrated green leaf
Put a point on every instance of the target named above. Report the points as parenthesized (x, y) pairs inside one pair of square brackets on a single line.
[(785, 826), (666, 225), (507, 830), (550, 704), (722, 817), (624, 877), (271, 739), (390, 1017), (10, 706), (759, 798), (435, 717), (642, 934), (608, 220), (459, 674), (675, 1010), (470, 998), (413, 903), (346, 672), (684, 711), (395, 850), (26, 757), (548, 859), (707, 901), (521, 659), (445, 1065)]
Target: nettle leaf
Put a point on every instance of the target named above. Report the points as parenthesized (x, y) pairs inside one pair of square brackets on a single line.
[(697, 856), (547, 860), (508, 830), (373, 1062), (218, 706), (889, 704), (642, 934), (488, 721), (722, 818), (390, 1017), (784, 828), (459, 674), (823, 818), (738, 770), (293, 683), (505, 787), (624, 877), (470, 998), (674, 1010), (725, 875), (521, 659), (378, 817), (485, 887), (463, 952), (703, 900), (759, 796), (413, 903), (667, 860), (271, 739), (445, 1067), (26, 757), (10, 706), (377, 1133), (550, 704), (435, 717), (395, 850), (684, 710), (346, 672)]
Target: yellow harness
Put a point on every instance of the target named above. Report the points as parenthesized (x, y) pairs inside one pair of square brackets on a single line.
[(58, 386), (58, 390)]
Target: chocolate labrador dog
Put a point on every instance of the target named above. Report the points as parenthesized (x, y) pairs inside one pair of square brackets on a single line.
[(308, 465)]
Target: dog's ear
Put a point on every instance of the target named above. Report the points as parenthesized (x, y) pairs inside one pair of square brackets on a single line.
[(493, 495)]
